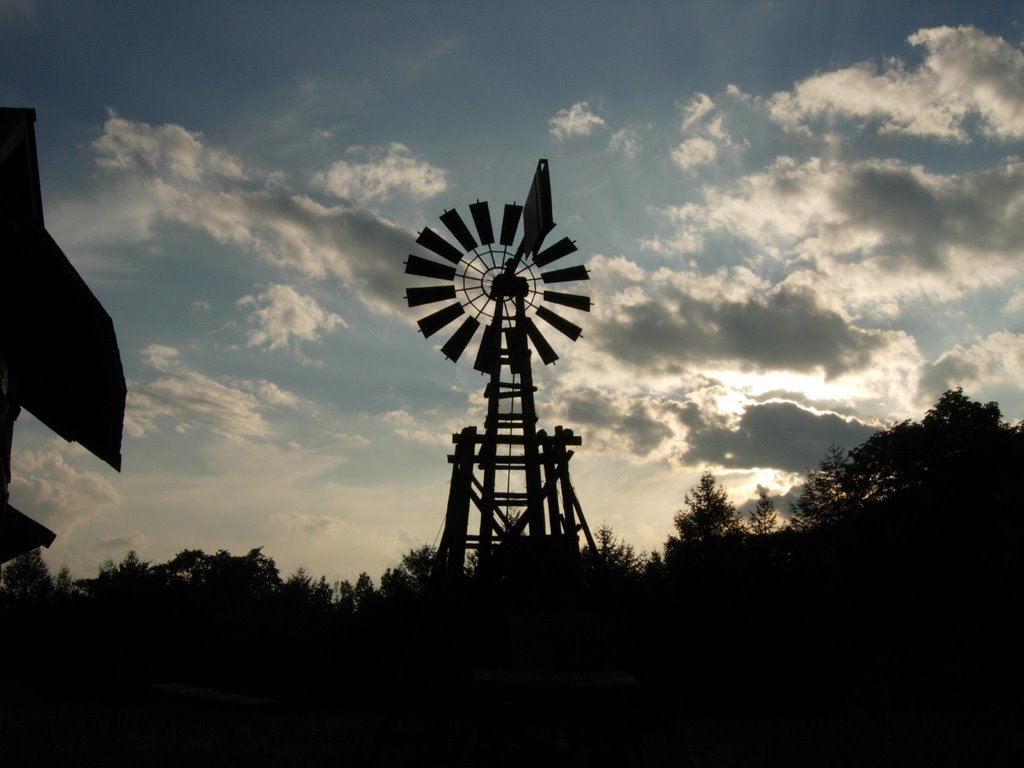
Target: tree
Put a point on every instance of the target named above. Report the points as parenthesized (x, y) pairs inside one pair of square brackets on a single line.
[(958, 443), (302, 589), (411, 577), (614, 556), (352, 599), (710, 515), (131, 579), (345, 597), (64, 587), (26, 578), (826, 496), (188, 568), (232, 579), (763, 519)]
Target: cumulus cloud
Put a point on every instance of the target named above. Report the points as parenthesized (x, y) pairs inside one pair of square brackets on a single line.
[(780, 435), (965, 74), (694, 153), (382, 173), (47, 487), (171, 149), (616, 423), (865, 234), (576, 120), (709, 140), (284, 317), (671, 321), (992, 361), (190, 399), (353, 246)]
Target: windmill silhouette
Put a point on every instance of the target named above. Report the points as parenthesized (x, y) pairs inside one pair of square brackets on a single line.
[(512, 475)]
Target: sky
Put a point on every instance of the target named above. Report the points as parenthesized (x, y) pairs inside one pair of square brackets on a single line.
[(804, 221)]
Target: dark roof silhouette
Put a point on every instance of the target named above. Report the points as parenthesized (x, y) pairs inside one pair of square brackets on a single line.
[(58, 352), (57, 339)]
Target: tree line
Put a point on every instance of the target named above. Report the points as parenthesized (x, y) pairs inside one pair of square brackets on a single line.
[(867, 590)]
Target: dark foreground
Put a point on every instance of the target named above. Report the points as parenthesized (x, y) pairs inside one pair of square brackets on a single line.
[(148, 726)]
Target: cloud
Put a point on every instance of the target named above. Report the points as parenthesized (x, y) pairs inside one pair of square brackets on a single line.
[(616, 423), (311, 525), (709, 140), (863, 235), (964, 74), (671, 321), (292, 231), (233, 409), (992, 361), (780, 435), (284, 317), (170, 149), (49, 489), (694, 153), (627, 141), (385, 172), (699, 106), (134, 540), (577, 120)]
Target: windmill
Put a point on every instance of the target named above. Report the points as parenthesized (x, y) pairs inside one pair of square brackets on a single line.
[(512, 475)]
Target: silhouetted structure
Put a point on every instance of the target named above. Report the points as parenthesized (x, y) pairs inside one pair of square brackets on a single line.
[(58, 353), (513, 475)]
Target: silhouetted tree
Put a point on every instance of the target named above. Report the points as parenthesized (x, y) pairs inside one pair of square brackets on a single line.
[(710, 514), (763, 519), (958, 443), (353, 598), (345, 597), (129, 580), (613, 557), (254, 572), (188, 568), (411, 576), (826, 496), (26, 579), (64, 587), (301, 589)]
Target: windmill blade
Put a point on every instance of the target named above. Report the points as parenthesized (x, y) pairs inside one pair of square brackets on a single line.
[(510, 223), (457, 227), (563, 247), (482, 220), (457, 344), (547, 354), (571, 330), (430, 239), (568, 300), (431, 324), (417, 265), (537, 213), (419, 296), (566, 275), (487, 355)]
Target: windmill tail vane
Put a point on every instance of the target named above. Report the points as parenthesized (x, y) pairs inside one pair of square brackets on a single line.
[(511, 498)]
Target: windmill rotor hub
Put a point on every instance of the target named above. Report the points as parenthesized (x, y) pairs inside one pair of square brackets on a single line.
[(505, 286)]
